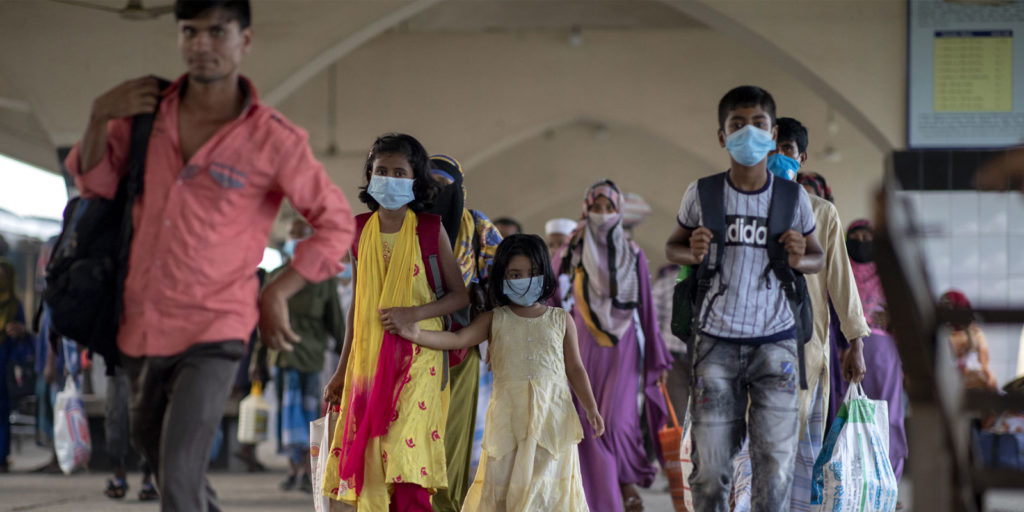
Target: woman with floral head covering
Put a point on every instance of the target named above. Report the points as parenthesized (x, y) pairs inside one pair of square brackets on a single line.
[(474, 242), (613, 307)]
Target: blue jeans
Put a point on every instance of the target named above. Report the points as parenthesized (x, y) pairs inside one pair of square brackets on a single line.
[(727, 376)]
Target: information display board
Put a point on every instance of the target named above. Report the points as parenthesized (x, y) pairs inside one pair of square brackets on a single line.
[(966, 74)]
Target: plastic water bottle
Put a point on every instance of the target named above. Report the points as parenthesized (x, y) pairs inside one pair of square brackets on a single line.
[(253, 416)]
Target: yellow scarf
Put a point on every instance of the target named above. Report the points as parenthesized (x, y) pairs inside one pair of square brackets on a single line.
[(377, 288)]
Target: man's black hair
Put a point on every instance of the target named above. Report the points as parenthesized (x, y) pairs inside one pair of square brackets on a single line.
[(424, 188), (190, 9), (791, 129), (534, 248), (509, 222), (745, 96)]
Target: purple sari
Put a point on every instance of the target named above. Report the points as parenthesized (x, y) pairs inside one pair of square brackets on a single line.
[(619, 456)]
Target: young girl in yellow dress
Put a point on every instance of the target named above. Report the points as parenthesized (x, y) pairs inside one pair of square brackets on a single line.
[(529, 459), (388, 446)]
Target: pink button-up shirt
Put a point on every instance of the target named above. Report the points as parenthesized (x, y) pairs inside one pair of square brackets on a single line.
[(201, 226)]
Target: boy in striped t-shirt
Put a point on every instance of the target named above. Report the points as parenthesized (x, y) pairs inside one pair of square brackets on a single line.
[(746, 335)]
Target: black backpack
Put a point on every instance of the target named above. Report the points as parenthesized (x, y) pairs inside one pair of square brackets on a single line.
[(689, 294), (86, 272)]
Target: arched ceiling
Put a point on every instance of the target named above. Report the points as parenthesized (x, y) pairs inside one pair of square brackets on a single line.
[(487, 81), (483, 97)]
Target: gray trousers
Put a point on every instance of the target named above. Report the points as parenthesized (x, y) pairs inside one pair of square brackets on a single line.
[(116, 424), (727, 377), (177, 404)]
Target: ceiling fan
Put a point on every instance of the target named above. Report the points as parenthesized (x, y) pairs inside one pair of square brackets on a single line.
[(133, 10)]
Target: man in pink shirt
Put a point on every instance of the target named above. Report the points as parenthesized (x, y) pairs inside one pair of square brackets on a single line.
[(219, 164)]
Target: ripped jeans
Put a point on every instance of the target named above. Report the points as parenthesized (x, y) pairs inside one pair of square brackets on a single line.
[(726, 376)]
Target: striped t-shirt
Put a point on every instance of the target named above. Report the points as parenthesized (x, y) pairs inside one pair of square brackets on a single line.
[(753, 307)]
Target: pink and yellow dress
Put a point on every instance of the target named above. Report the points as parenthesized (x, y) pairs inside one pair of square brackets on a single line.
[(391, 425)]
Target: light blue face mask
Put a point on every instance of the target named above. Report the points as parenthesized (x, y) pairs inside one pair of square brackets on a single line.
[(347, 273), (749, 145), (288, 249), (525, 291), (783, 166), (391, 193)]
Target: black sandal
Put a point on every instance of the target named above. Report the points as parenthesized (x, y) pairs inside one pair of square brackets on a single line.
[(116, 489), (148, 493)]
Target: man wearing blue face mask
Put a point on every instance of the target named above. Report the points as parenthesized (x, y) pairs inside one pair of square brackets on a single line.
[(746, 346), (315, 314), (299, 231)]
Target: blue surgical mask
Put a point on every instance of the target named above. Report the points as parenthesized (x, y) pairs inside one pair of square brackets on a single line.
[(783, 166), (749, 145), (525, 291), (347, 273), (288, 249), (391, 193)]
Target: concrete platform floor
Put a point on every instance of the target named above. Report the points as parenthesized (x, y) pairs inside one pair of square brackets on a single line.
[(81, 492)]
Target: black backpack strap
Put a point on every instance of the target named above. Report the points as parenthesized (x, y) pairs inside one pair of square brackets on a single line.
[(781, 211), (131, 189), (711, 191)]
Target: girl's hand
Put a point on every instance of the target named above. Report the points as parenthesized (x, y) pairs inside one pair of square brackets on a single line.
[(410, 332), (596, 422), (396, 319), (335, 387), (663, 378)]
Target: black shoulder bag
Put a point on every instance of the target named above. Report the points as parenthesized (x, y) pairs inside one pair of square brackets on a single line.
[(86, 273)]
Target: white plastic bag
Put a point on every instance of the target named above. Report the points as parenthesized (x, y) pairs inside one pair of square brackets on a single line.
[(321, 433), (71, 429), (853, 472)]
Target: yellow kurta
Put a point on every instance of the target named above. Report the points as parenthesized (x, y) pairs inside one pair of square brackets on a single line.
[(412, 451), (836, 281), (529, 460)]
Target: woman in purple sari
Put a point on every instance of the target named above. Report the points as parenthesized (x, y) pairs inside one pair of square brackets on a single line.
[(622, 351), (884, 377)]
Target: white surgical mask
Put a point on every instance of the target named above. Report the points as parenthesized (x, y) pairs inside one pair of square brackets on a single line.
[(601, 223)]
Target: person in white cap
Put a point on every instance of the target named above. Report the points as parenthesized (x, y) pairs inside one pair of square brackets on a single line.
[(557, 233)]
